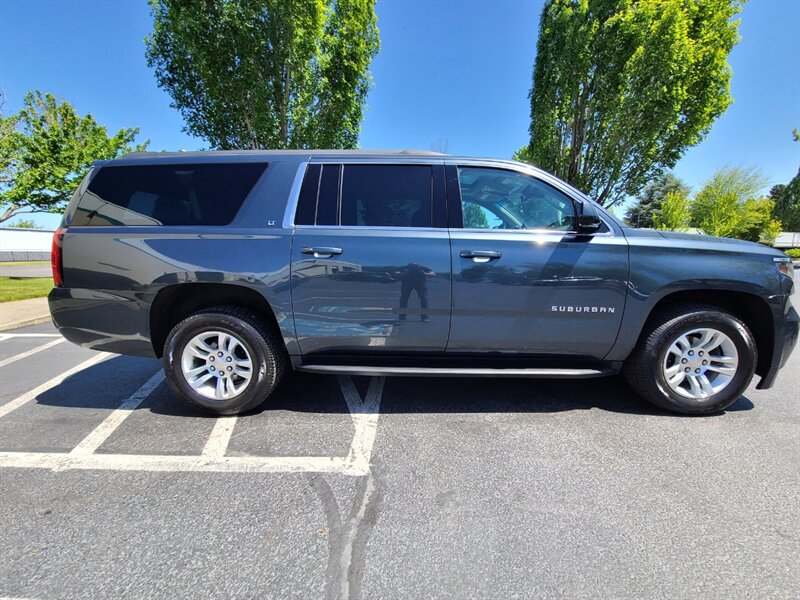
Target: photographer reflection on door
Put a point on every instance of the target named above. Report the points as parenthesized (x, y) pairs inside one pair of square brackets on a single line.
[(414, 278)]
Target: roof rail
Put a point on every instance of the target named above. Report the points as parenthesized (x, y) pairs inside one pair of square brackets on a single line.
[(423, 152)]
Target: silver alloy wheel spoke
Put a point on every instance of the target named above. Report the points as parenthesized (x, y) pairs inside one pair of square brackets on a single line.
[(700, 363), (217, 365)]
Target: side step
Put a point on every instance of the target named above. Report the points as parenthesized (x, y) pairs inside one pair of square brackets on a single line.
[(455, 372)]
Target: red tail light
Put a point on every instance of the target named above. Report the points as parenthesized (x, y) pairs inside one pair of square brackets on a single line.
[(56, 259)]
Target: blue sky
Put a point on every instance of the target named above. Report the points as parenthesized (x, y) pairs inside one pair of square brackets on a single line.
[(454, 72)]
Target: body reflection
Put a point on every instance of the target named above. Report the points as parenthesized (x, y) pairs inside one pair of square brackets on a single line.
[(414, 278)]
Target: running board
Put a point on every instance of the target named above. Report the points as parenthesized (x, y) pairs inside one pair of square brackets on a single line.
[(455, 372)]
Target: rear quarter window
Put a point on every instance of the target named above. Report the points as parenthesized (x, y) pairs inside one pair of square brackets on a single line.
[(185, 194)]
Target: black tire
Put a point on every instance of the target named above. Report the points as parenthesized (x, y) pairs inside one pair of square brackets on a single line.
[(260, 340), (643, 369)]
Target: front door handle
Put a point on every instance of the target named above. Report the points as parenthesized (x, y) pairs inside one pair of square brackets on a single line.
[(321, 251), (481, 256)]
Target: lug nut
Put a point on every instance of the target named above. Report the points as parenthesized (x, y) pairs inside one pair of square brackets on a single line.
[(685, 360), (230, 368), (211, 358), (687, 369), (229, 359), (697, 370), (705, 362), (219, 353), (691, 353), (700, 353), (212, 368)]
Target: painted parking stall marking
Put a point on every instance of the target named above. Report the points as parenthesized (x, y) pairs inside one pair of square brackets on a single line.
[(47, 385), (31, 352), (101, 433), (363, 412)]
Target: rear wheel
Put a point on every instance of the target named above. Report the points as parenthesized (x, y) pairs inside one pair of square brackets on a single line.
[(692, 359), (223, 360)]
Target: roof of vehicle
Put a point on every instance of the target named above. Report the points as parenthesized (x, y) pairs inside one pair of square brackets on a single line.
[(313, 152)]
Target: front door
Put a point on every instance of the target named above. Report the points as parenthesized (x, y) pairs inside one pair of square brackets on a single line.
[(370, 271), (523, 281)]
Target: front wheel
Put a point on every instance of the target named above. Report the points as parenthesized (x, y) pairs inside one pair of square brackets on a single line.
[(692, 359), (223, 360)]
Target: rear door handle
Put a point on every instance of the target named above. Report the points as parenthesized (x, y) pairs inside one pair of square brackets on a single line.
[(321, 251), (481, 256)]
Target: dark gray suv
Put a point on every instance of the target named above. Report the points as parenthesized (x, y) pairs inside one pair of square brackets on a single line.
[(233, 265)]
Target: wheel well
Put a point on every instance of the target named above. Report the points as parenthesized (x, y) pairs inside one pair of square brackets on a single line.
[(176, 302), (750, 309)]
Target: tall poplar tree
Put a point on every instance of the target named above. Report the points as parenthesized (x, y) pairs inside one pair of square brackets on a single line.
[(622, 87), (266, 73)]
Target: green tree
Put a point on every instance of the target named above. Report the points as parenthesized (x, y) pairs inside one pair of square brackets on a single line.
[(24, 224), (266, 73), (771, 232), (622, 88), (673, 214), (787, 203), (651, 198), (729, 205), (45, 151)]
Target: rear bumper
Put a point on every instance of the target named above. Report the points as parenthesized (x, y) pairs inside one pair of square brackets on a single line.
[(103, 321), (786, 333)]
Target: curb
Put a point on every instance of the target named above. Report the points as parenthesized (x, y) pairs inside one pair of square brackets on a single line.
[(25, 323)]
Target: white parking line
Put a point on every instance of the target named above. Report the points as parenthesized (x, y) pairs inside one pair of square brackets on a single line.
[(220, 436), (31, 352), (149, 462), (47, 385), (364, 414), (7, 336), (365, 419), (102, 432)]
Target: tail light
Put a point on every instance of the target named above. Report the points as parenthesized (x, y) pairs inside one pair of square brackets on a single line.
[(56, 258)]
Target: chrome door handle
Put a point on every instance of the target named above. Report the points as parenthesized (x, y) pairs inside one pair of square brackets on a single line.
[(481, 256), (321, 251)]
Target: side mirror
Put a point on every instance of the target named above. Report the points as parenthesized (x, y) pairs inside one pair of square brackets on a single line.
[(587, 221)]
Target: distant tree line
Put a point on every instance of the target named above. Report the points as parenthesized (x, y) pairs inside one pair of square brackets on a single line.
[(729, 204)]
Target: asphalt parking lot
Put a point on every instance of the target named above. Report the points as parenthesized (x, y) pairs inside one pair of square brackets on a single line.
[(403, 488)]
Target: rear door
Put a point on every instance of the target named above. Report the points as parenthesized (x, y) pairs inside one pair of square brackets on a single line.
[(371, 259), (523, 281)]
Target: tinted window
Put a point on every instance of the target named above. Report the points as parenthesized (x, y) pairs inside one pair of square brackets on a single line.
[(307, 203), (187, 194), (327, 205), (386, 196), (499, 199)]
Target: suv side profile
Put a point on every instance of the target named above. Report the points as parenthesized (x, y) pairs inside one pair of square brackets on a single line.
[(233, 266)]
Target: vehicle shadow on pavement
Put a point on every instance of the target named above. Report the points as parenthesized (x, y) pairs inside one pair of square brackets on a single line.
[(486, 395), (306, 393)]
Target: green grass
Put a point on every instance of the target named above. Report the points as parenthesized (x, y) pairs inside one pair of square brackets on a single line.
[(25, 263), (17, 288)]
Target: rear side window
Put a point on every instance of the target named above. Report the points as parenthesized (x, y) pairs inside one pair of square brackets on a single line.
[(185, 194), (386, 196), (366, 196)]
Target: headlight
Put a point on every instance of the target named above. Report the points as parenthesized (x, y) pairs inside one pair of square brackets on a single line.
[(785, 266)]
